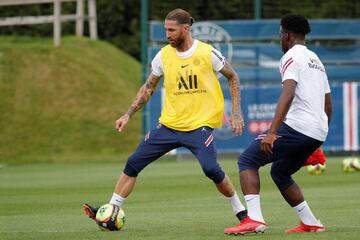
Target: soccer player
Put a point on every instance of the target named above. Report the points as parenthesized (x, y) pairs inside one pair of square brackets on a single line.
[(299, 127), (194, 106)]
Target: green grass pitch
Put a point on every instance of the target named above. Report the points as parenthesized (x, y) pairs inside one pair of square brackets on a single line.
[(172, 200)]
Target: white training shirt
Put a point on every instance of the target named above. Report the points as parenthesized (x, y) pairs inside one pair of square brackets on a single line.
[(307, 111), (217, 59)]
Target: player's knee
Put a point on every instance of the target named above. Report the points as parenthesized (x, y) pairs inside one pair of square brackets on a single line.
[(216, 174), (245, 163), (281, 180), (130, 168)]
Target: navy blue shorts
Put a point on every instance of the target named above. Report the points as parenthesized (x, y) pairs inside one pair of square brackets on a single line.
[(290, 152), (162, 139)]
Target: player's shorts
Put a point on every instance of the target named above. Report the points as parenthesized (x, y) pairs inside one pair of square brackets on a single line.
[(162, 139), (290, 151)]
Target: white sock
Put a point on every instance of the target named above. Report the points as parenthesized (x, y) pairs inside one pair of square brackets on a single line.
[(117, 200), (305, 214), (253, 207), (236, 204)]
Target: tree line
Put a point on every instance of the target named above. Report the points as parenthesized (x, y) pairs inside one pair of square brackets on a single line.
[(119, 20)]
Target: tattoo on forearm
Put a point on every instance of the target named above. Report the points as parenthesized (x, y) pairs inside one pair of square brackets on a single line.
[(235, 96), (234, 87), (144, 94)]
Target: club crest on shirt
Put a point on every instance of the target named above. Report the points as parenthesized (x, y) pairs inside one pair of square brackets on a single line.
[(196, 62)]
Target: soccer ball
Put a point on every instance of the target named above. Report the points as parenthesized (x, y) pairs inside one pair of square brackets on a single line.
[(110, 217), (316, 169), (351, 164)]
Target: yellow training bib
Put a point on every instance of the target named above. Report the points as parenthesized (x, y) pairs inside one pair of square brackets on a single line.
[(193, 96)]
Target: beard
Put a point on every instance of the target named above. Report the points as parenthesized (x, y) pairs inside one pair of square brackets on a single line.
[(176, 43), (173, 43)]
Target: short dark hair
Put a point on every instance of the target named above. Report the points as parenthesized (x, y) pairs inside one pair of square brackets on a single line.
[(181, 16), (295, 23)]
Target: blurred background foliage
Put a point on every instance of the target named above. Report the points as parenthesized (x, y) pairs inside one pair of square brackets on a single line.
[(119, 20)]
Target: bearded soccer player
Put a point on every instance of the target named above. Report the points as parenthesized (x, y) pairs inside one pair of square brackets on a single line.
[(299, 127), (194, 106)]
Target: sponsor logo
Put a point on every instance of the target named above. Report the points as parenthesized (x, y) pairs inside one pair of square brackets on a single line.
[(301, 209), (190, 82), (315, 64), (250, 199), (184, 66)]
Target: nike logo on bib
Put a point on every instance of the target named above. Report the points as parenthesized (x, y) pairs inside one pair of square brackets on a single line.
[(184, 66)]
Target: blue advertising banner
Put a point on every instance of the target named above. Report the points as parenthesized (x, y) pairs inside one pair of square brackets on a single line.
[(258, 63), (258, 105), (267, 29), (249, 45), (250, 48)]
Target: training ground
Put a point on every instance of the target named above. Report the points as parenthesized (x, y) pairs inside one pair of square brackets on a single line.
[(172, 200)]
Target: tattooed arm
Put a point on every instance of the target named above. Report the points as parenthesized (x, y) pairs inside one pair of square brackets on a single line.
[(236, 119), (142, 97)]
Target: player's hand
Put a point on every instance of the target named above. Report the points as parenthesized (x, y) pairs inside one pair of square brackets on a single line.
[(121, 122), (237, 124), (267, 143)]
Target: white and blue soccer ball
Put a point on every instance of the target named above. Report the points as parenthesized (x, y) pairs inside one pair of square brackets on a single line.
[(110, 217)]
